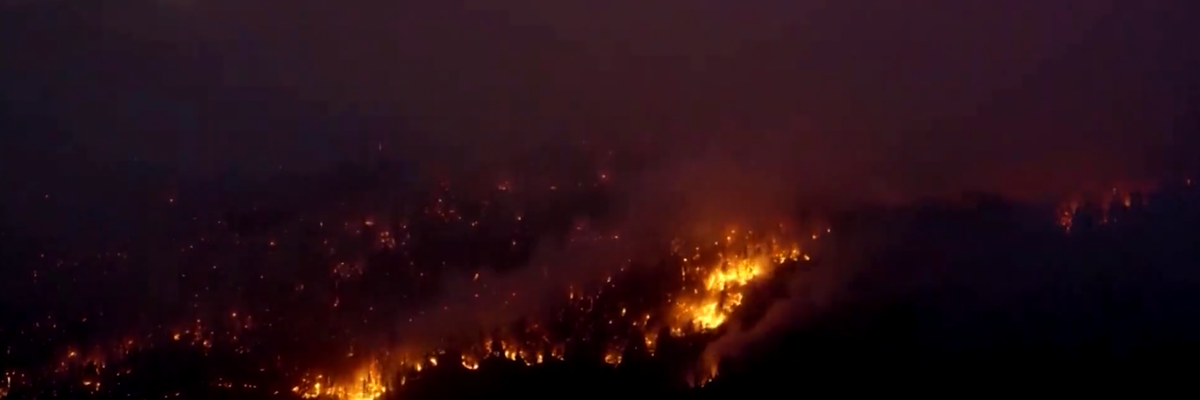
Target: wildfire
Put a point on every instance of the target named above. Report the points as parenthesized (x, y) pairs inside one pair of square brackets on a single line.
[(612, 357), (724, 282), (469, 362), (1105, 207), (1066, 215), (715, 278), (365, 384), (614, 317), (600, 319)]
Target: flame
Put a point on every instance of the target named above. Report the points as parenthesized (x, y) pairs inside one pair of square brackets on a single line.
[(365, 384), (469, 362), (612, 357), (726, 281)]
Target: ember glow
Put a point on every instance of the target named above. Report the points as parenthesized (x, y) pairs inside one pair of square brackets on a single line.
[(364, 384), (716, 280), (713, 278), (1107, 207), (343, 303), (361, 299)]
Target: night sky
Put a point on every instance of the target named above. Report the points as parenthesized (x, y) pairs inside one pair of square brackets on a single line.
[(912, 97)]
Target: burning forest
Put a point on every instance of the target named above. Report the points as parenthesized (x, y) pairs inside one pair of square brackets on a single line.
[(360, 299), (356, 301)]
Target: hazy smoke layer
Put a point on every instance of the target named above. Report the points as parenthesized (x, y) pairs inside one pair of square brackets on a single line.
[(872, 98)]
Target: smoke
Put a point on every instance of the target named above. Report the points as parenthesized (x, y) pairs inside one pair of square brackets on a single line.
[(487, 300), (870, 97), (744, 109), (810, 294)]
